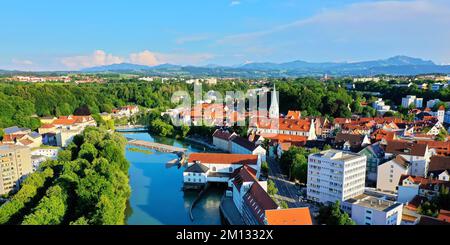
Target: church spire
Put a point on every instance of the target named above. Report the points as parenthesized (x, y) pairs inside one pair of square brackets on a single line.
[(274, 108)]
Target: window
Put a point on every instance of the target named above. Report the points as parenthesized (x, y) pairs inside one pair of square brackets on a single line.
[(231, 169)]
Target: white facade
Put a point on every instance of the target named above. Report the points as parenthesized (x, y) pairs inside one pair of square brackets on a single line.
[(49, 152), (389, 174), (412, 100), (376, 211), (335, 175), (380, 106), (238, 149)]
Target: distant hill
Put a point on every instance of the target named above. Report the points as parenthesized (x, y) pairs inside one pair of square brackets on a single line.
[(397, 65), (116, 67)]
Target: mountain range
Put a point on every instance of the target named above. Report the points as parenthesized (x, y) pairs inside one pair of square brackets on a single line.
[(398, 65)]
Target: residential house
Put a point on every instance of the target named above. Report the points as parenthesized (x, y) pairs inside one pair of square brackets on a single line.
[(241, 145), (375, 157), (417, 154), (250, 196), (390, 172), (411, 186), (217, 167), (21, 136), (222, 139), (351, 142)]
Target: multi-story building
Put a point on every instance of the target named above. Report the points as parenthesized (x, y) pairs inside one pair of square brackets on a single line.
[(372, 210), (15, 165), (417, 154), (380, 106), (335, 175), (412, 100)]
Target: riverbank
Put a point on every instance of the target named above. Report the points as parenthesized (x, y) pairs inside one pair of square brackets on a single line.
[(201, 142), (157, 197)]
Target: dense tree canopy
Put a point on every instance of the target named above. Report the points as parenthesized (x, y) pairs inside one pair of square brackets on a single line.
[(88, 184)]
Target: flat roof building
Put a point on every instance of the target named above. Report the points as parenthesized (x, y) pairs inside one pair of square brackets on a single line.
[(335, 175)]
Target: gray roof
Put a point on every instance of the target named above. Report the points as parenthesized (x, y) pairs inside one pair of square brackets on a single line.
[(197, 168), (13, 129)]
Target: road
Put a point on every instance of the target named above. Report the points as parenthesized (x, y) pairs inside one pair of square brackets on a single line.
[(287, 190)]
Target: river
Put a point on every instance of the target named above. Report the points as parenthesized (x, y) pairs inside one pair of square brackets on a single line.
[(156, 194)]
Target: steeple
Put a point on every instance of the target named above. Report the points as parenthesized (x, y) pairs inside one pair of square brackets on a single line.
[(274, 108)]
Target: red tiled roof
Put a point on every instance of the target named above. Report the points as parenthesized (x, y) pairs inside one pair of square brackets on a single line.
[(224, 135), (223, 158), (286, 124), (294, 115), (47, 126), (444, 215), (406, 148), (439, 163), (258, 200), (291, 216)]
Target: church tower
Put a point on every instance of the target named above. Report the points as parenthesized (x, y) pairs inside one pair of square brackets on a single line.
[(274, 108)]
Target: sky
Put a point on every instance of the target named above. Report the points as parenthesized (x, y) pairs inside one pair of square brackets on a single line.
[(75, 34)]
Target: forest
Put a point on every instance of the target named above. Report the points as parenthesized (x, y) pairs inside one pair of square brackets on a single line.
[(87, 184)]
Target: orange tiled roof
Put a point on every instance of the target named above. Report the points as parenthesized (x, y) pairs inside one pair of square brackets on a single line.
[(223, 158), (291, 216), (294, 114), (444, 215), (287, 124)]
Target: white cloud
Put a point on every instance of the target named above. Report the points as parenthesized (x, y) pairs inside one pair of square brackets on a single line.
[(234, 3), (98, 58), (21, 62), (146, 57), (415, 27)]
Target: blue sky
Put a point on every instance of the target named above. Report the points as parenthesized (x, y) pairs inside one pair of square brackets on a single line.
[(69, 35)]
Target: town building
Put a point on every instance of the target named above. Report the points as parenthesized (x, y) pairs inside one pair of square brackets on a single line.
[(250, 196), (411, 186), (21, 136), (203, 168), (290, 216), (372, 210), (375, 157), (241, 145), (125, 111), (412, 100), (380, 106), (417, 154), (351, 142), (335, 175), (15, 165), (390, 172), (62, 130), (222, 139)]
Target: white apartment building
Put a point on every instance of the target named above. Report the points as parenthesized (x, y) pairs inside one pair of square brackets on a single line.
[(371, 210), (412, 100), (335, 175), (380, 106)]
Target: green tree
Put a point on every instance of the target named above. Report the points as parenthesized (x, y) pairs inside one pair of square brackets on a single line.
[(333, 215), (271, 188)]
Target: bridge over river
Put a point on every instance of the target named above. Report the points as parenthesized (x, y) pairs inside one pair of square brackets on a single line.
[(180, 152)]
